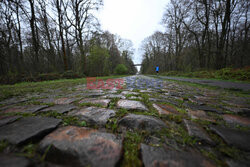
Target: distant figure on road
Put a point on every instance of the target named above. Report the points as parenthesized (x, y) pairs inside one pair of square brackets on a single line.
[(157, 69)]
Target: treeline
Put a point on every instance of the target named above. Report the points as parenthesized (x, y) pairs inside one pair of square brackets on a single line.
[(200, 35), (58, 36)]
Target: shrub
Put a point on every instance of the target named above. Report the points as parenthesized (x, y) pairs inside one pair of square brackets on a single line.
[(48, 76), (70, 75), (121, 69)]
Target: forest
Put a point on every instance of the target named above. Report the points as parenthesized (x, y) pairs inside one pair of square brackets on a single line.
[(48, 39), (200, 35)]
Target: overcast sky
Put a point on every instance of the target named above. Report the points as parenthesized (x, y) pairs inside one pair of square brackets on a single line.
[(132, 19)]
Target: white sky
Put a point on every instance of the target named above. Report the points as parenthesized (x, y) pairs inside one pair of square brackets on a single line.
[(132, 19)]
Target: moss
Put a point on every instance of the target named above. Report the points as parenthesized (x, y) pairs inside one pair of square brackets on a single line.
[(3, 144), (131, 146), (129, 95), (71, 120), (82, 123), (171, 117), (29, 150), (90, 104), (231, 152), (19, 114), (211, 155), (226, 150), (177, 133), (113, 102), (66, 119), (113, 122), (50, 114)]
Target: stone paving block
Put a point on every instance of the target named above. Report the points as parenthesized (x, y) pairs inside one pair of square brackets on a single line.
[(199, 114), (232, 163), (203, 107), (78, 146), (94, 115), (92, 94), (129, 93), (157, 156), (27, 128), (65, 100), (197, 131), (141, 122), (131, 105), (102, 102), (165, 100), (24, 109), (134, 97), (8, 119), (63, 108), (240, 111), (235, 119), (34, 108), (165, 109), (113, 96), (13, 161), (233, 137), (13, 100)]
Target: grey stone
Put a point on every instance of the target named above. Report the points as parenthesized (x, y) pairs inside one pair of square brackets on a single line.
[(113, 96), (131, 105), (24, 109), (78, 146), (146, 91), (165, 109), (141, 122), (203, 107), (47, 100), (34, 108), (63, 108), (164, 100), (134, 97), (102, 102), (233, 137), (240, 111), (92, 95), (13, 161), (198, 132), (199, 114), (65, 100), (129, 93), (27, 128), (232, 163), (8, 119), (196, 101), (236, 120), (157, 156), (94, 115), (13, 100)]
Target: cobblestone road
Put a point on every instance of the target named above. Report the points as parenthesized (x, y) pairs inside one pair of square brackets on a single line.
[(150, 122)]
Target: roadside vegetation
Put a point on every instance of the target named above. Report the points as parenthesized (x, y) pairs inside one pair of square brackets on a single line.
[(7, 91), (240, 74)]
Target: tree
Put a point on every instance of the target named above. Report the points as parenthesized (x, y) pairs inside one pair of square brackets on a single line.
[(121, 69), (80, 18)]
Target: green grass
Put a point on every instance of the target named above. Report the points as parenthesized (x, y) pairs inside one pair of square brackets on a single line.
[(113, 122), (89, 104), (131, 146), (202, 87), (3, 144), (28, 150), (7, 91), (230, 74)]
